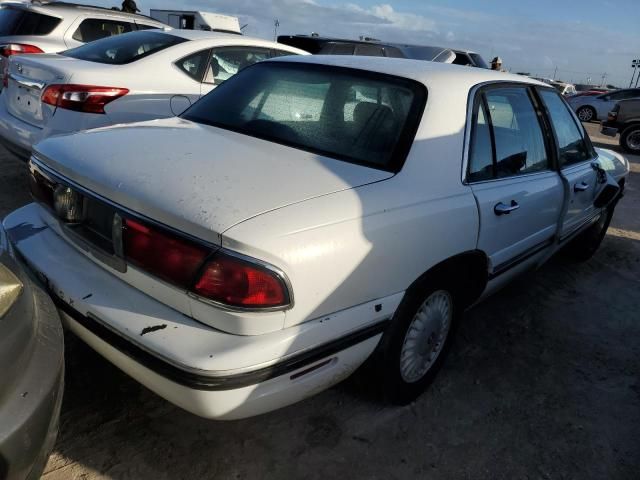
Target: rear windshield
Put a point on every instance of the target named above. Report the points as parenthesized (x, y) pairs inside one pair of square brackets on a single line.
[(17, 21), (126, 48), (352, 115), (424, 53)]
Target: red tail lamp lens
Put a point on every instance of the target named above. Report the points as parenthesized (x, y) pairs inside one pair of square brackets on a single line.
[(168, 257), (82, 98), (234, 282)]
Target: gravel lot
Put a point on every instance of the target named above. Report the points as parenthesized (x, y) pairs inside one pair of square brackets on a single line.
[(542, 383)]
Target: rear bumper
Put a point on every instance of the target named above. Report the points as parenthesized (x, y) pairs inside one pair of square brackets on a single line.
[(17, 136), (203, 370), (610, 129), (30, 409)]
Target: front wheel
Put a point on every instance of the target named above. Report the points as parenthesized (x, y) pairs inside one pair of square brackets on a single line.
[(630, 139), (415, 345), (585, 245), (586, 114)]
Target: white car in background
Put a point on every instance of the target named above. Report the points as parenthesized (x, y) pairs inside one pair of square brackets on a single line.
[(596, 107), (49, 27), (259, 248), (132, 77)]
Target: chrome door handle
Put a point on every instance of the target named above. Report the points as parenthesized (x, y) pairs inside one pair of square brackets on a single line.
[(502, 209), (580, 187)]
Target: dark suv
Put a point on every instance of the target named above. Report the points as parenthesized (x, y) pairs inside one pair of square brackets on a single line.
[(375, 48), (625, 118)]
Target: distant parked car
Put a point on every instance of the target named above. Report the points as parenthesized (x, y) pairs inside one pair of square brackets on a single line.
[(43, 27), (31, 365), (309, 213), (566, 89), (376, 48), (624, 119), (590, 108), (128, 78)]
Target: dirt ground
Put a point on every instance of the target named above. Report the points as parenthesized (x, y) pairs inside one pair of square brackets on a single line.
[(542, 383)]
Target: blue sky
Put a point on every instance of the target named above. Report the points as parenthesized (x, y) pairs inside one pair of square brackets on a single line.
[(581, 39)]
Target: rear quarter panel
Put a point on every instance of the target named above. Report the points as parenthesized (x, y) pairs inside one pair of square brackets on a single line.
[(374, 241)]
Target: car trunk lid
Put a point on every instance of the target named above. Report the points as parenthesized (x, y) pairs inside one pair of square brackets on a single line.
[(29, 76), (198, 179)]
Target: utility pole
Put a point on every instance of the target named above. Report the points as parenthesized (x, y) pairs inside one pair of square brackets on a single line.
[(604, 75), (276, 24), (554, 72)]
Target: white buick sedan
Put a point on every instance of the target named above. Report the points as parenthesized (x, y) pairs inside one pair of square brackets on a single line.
[(307, 215), (133, 77)]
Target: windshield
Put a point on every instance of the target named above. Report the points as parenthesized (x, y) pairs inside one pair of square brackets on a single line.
[(126, 48), (17, 21), (478, 60), (356, 116)]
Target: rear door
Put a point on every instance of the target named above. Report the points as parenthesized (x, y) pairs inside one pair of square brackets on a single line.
[(510, 170), (575, 157)]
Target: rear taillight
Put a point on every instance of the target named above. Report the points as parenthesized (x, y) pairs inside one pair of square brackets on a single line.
[(232, 281), (18, 49), (82, 98), (10, 49), (41, 187), (163, 255), (220, 277)]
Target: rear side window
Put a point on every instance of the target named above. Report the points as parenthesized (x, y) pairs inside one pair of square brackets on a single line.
[(123, 49), (310, 107), (226, 62), (194, 65), (573, 148), (93, 29), (16, 21), (507, 117)]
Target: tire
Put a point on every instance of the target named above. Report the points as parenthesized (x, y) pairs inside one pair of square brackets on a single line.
[(585, 245), (586, 114), (630, 139), (421, 333)]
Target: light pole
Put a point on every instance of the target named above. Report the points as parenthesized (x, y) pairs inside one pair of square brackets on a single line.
[(276, 24), (635, 64)]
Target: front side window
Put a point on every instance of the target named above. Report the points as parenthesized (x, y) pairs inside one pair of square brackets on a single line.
[(507, 138), (355, 116), (226, 62), (571, 144), (96, 28), (123, 49)]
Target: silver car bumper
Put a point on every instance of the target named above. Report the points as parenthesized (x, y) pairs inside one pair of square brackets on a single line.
[(31, 384)]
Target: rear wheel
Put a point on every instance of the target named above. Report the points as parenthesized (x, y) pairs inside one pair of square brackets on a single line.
[(630, 139), (586, 114), (415, 345)]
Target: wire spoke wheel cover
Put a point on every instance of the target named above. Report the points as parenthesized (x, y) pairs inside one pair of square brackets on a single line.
[(426, 336), (585, 114)]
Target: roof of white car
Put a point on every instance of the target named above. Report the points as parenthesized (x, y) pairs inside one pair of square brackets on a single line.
[(64, 8), (195, 35), (429, 73)]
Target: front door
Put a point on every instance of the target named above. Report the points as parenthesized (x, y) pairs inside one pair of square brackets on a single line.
[(519, 194), (578, 164)]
